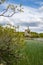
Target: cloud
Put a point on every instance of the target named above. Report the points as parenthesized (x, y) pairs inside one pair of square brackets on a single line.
[(37, 29), (32, 24), (39, 3), (31, 17)]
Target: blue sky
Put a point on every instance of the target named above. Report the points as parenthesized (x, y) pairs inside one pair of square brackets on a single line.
[(32, 16), (31, 3)]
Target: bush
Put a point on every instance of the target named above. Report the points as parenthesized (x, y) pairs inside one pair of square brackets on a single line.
[(11, 45)]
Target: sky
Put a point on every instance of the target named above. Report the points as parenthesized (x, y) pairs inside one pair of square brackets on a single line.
[(32, 16)]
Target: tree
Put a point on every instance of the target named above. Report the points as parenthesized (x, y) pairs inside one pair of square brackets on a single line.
[(11, 45), (11, 42), (11, 7), (34, 35), (41, 35)]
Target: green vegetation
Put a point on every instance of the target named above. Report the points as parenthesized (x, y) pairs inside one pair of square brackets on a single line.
[(11, 46), (34, 52), (36, 35), (41, 35), (14, 50)]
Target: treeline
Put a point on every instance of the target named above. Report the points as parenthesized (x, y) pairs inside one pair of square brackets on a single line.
[(41, 35), (32, 34), (35, 35)]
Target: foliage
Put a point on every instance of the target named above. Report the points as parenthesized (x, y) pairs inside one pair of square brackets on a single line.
[(34, 52), (34, 35), (11, 45), (41, 35)]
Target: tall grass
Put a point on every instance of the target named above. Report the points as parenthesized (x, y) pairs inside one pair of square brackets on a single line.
[(33, 53)]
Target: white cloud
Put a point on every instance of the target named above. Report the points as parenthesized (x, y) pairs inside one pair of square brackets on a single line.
[(30, 16), (39, 2)]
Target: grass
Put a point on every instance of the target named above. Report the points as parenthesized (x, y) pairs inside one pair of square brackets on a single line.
[(33, 53)]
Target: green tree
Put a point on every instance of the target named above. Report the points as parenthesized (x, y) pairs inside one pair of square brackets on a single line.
[(41, 35), (34, 35), (11, 42), (11, 45)]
